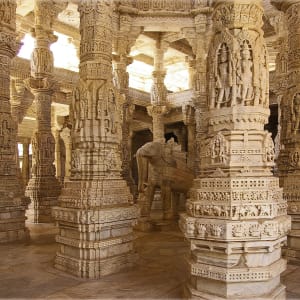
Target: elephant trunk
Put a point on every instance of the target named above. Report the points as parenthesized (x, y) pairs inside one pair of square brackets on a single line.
[(142, 164)]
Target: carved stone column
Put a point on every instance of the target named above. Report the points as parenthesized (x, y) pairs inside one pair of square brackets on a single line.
[(96, 214), (199, 40), (158, 93), (236, 218), (290, 126), (25, 162), (43, 187), (12, 200), (121, 78)]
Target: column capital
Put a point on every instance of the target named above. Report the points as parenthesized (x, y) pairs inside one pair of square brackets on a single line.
[(47, 10), (40, 85)]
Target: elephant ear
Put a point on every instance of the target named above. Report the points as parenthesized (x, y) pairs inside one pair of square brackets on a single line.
[(142, 164)]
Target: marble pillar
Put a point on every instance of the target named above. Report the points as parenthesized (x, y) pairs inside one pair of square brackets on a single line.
[(289, 167), (12, 201), (96, 214), (158, 93), (43, 187), (121, 78), (236, 220)]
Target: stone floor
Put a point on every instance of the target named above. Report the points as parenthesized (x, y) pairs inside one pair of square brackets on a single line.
[(26, 271)]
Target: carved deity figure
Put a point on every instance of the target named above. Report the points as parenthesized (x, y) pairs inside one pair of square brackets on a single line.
[(218, 149), (223, 76), (110, 121), (296, 112), (246, 74)]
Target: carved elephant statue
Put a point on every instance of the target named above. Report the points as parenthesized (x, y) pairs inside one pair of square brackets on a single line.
[(160, 165)]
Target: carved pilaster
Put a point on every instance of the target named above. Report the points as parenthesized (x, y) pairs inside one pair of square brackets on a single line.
[(236, 218), (12, 200), (290, 124), (96, 214)]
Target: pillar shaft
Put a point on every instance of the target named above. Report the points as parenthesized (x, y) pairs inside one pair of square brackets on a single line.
[(236, 217), (96, 214), (158, 93), (12, 200), (43, 187), (289, 166)]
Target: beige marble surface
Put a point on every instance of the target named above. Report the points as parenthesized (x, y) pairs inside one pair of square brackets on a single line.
[(26, 271)]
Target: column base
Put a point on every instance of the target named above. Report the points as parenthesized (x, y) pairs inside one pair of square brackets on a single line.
[(12, 224), (95, 242), (43, 192), (277, 294), (95, 239), (94, 269)]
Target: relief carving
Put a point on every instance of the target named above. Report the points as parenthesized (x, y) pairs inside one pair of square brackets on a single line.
[(218, 149)]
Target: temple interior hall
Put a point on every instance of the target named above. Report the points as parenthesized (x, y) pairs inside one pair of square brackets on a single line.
[(150, 149)]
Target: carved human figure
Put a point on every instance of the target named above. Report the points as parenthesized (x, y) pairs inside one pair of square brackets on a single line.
[(223, 76), (246, 73), (296, 113)]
